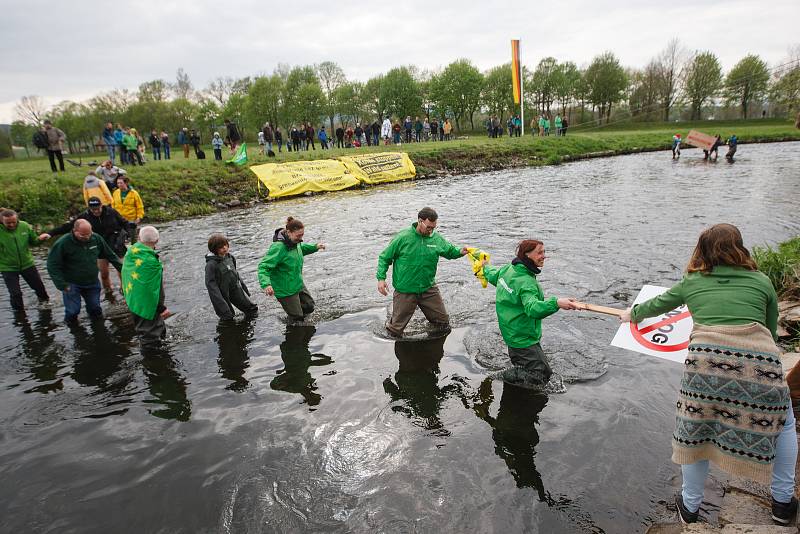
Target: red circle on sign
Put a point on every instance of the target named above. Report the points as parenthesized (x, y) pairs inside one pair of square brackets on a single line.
[(655, 346)]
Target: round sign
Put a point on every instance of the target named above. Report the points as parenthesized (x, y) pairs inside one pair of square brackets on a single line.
[(662, 332)]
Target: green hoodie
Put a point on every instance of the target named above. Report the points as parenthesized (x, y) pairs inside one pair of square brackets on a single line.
[(75, 262), (520, 304), (130, 141), (415, 258), (15, 254), (282, 268)]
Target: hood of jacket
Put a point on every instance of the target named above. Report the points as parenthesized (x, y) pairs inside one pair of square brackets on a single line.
[(90, 182), (280, 235)]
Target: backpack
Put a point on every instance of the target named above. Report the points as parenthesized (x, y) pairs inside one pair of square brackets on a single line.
[(40, 139), (200, 154), (270, 154)]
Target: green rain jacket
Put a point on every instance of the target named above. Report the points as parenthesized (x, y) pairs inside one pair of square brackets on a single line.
[(282, 267), (15, 254), (74, 262), (520, 304), (415, 258)]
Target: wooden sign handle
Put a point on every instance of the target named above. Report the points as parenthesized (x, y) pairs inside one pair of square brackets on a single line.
[(600, 309)]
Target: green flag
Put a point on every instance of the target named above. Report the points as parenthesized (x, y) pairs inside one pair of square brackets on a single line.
[(141, 280), (240, 158)]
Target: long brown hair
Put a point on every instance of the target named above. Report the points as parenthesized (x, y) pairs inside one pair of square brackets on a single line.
[(721, 244), (526, 246)]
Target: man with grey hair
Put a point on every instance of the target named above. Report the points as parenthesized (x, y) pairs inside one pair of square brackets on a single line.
[(143, 286), (72, 264)]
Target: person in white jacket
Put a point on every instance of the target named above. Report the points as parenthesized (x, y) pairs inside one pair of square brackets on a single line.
[(386, 130)]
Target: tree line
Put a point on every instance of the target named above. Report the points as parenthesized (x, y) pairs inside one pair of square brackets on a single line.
[(674, 84)]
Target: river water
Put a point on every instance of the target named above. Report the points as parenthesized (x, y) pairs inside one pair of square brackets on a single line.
[(246, 427)]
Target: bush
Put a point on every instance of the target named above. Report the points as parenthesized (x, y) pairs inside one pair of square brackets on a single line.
[(782, 266)]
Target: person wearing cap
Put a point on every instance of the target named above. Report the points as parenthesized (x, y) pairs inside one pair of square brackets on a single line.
[(107, 223), (109, 173), (128, 203), (415, 254), (95, 187), (216, 144), (72, 264), (16, 260)]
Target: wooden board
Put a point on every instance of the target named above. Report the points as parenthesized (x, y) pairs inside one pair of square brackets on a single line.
[(700, 140)]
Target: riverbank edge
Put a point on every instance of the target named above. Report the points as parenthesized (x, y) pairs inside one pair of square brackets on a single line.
[(206, 190)]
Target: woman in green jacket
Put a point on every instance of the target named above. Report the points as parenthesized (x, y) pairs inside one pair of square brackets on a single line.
[(521, 306), (280, 272), (733, 408)]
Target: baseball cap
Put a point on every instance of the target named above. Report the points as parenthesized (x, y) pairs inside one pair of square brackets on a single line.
[(94, 202)]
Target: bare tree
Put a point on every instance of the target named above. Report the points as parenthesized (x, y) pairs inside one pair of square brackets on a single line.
[(31, 110), (331, 77), (671, 64), (220, 89), (183, 87)]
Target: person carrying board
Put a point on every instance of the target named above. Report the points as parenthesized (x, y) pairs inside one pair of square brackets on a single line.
[(733, 408)]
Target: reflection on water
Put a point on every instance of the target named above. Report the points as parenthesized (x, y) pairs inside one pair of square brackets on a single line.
[(233, 338), (514, 429), (166, 385), (415, 390), (297, 358)]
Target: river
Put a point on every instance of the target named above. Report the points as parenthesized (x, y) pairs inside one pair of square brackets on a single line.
[(246, 427)]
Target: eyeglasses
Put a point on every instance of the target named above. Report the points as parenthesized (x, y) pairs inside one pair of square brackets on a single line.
[(427, 226)]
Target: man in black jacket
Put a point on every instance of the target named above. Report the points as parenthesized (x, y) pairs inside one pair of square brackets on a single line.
[(107, 223)]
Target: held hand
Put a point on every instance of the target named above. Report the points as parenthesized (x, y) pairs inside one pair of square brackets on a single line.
[(66, 289), (320, 246), (44, 236), (269, 291), (165, 314), (382, 287), (625, 317), (568, 304), (464, 251)]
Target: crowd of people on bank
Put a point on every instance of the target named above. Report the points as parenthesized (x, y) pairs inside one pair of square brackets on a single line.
[(540, 126)]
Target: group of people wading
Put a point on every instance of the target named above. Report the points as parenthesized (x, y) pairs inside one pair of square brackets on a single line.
[(733, 410)]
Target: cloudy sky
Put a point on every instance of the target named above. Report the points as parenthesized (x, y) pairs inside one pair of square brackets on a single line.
[(74, 50)]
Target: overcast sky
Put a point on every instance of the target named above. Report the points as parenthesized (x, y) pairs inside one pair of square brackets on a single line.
[(74, 50)]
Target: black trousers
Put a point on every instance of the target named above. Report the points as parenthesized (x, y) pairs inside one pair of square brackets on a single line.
[(151, 331), (52, 155), (31, 276), (533, 360)]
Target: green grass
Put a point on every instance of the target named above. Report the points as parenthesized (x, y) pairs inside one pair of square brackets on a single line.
[(188, 187), (782, 266)]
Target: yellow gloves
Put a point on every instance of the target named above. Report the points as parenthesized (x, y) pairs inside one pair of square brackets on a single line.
[(478, 257)]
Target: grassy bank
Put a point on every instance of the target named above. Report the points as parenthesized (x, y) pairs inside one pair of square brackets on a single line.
[(180, 187), (782, 265)]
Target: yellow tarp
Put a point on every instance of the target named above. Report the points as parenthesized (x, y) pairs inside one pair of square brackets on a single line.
[(297, 177), (380, 168)]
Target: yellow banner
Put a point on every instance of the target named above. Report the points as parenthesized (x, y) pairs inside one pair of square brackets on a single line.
[(380, 168), (297, 177)]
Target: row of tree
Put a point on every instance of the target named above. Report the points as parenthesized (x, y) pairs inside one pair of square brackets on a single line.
[(674, 82)]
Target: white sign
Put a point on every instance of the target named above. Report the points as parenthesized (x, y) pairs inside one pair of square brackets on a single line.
[(663, 336)]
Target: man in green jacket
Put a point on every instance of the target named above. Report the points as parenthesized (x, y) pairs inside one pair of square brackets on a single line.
[(415, 254), (521, 306), (72, 264), (15, 258)]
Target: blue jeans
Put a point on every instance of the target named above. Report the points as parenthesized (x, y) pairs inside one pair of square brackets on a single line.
[(782, 487), (156, 153), (166, 150), (72, 300), (112, 149)]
